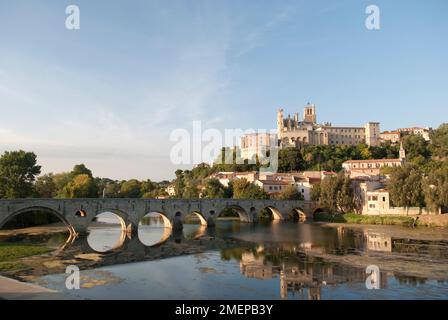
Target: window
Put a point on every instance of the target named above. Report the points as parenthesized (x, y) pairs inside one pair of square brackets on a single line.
[(270, 187), (384, 199), (375, 198), (303, 190)]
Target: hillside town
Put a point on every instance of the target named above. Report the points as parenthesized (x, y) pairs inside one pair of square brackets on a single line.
[(369, 177)]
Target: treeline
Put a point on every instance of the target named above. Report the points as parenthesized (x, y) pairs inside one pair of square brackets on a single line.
[(19, 178), (308, 157)]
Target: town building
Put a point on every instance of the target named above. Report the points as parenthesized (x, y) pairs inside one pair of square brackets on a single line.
[(372, 167), (392, 136), (171, 190), (275, 183), (225, 177), (272, 187), (375, 200), (294, 132), (424, 132)]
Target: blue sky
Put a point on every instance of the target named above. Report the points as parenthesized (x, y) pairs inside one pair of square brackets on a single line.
[(109, 94)]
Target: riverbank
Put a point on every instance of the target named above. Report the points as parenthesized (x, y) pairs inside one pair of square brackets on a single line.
[(407, 221), (11, 289)]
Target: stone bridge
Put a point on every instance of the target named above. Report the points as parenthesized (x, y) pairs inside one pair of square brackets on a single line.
[(77, 214)]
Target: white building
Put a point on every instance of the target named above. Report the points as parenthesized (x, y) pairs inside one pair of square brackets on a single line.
[(257, 144)]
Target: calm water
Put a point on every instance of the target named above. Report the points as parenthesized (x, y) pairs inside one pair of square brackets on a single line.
[(270, 261)]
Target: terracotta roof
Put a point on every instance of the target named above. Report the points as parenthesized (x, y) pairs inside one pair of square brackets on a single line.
[(273, 182), (373, 160)]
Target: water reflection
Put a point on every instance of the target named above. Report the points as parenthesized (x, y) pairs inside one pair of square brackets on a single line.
[(106, 233), (153, 229), (282, 261), (194, 231)]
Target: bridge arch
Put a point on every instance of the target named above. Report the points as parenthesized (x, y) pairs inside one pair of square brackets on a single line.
[(153, 234), (195, 214), (298, 214), (273, 212), (242, 213), (39, 209), (123, 216), (107, 237)]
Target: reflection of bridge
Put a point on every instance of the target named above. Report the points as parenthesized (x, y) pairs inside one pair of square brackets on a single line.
[(77, 214)]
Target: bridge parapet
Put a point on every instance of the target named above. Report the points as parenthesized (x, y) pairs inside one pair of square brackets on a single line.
[(77, 214)]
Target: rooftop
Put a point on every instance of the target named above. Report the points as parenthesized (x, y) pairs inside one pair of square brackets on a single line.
[(373, 161)]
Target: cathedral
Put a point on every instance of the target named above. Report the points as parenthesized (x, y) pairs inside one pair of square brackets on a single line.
[(294, 132)]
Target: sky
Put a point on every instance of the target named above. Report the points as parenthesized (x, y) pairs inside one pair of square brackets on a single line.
[(110, 94)]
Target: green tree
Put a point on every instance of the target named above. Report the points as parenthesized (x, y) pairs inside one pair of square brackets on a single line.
[(18, 171), (131, 189), (435, 188), (82, 186), (416, 147), (405, 186), (290, 193), (81, 169), (46, 187), (107, 188), (439, 138), (214, 189), (242, 189), (61, 180), (336, 194), (315, 192), (290, 159)]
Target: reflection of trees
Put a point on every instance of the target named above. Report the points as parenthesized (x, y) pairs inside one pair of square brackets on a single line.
[(236, 253)]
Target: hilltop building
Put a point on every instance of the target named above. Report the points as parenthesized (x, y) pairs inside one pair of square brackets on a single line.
[(372, 167), (295, 132)]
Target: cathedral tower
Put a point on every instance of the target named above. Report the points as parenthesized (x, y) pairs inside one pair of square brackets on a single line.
[(309, 113)]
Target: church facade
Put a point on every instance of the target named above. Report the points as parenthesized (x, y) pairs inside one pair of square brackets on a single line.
[(293, 131)]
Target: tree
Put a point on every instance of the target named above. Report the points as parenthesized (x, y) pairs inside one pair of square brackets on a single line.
[(439, 138), (315, 192), (405, 186), (242, 189), (415, 146), (290, 159), (81, 169), (435, 188), (18, 171), (61, 180), (82, 186), (130, 189), (148, 186), (46, 187), (107, 187), (290, 193), (336, 194), (214, 189)]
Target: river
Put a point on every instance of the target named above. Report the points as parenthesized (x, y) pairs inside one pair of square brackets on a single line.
[(267, 261)]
